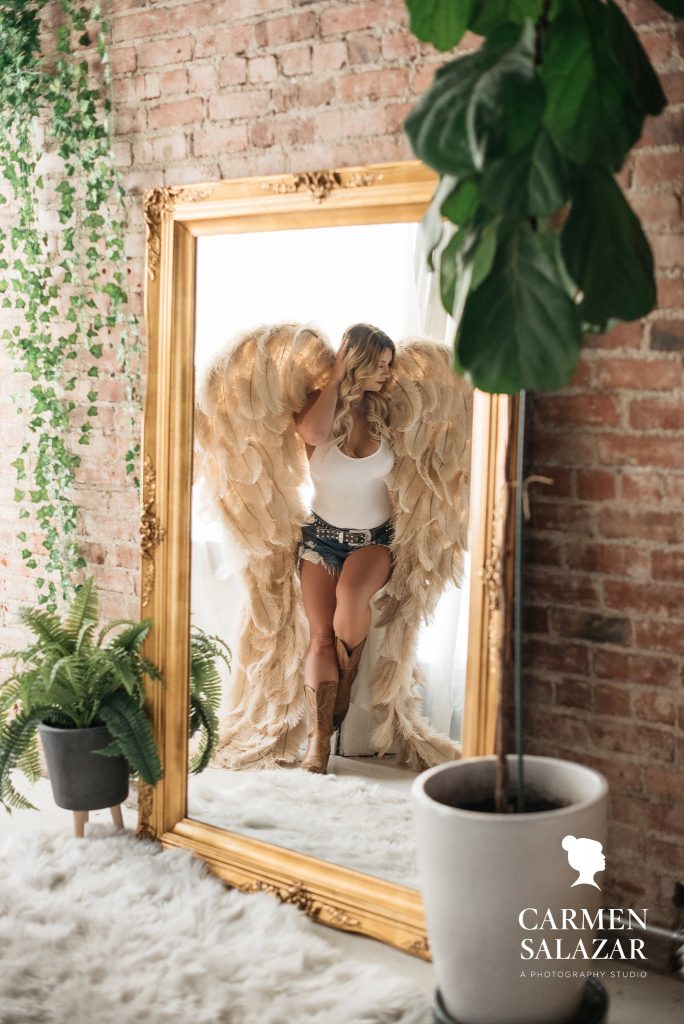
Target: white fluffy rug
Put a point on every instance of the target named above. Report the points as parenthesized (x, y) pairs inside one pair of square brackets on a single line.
[(360, 825), (112, 930)]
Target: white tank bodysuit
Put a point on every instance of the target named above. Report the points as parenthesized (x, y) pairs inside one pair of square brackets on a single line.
[(348, 492)]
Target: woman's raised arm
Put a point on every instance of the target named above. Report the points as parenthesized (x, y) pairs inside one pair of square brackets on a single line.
[(314, 421)]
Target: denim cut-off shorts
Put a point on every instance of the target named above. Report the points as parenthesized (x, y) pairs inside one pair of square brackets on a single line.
[(330, 552)]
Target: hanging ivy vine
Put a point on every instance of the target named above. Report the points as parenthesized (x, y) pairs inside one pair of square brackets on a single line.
[(63, 276)]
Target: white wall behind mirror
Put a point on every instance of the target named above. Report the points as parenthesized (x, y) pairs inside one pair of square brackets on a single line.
[(359, 814)]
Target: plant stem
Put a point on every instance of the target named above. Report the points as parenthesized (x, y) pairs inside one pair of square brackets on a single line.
[(517, 611)]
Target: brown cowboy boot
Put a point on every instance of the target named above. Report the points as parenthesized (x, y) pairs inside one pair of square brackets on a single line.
[(349, 666), (320, 703)]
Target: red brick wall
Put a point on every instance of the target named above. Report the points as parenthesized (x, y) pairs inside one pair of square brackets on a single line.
[(223, 88)]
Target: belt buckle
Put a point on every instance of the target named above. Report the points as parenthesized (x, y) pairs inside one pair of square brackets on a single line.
[(364, 534)]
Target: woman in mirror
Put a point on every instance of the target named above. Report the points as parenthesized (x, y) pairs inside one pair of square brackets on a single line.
[(344, 556), (386, 433)]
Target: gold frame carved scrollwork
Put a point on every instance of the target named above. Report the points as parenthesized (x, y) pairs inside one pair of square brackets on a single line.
[(175, 218)]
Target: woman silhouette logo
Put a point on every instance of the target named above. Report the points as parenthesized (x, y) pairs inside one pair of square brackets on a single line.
[(585, 856)]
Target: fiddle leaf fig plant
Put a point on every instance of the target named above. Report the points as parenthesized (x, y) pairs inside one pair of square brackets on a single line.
[(533, 239)]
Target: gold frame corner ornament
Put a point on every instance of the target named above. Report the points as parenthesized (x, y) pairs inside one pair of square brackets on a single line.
[(159, 203), (175, 218)]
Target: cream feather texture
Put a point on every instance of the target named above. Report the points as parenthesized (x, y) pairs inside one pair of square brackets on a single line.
[(251, 465)]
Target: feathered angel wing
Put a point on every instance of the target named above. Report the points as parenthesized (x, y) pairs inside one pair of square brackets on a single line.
[(249, 466), (430, 418)]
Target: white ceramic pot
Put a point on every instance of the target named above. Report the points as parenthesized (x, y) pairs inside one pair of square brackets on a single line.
[(480, 871)]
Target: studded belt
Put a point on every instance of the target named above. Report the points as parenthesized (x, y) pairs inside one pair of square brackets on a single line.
[(354, 538)]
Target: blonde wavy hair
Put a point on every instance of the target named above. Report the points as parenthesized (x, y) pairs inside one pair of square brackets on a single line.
[(362, 355)]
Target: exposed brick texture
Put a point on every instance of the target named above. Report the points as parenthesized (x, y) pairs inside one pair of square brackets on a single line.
[(216, 89)]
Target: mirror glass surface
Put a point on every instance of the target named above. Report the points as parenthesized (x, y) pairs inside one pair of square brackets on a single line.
[(358, 815)]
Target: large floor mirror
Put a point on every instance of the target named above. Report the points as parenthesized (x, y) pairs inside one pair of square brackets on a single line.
[(251, 285)]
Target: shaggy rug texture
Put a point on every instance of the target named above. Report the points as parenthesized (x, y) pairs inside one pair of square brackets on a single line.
[(360, 825), (113, 930)]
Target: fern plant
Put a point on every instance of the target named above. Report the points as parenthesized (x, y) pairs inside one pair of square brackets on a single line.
[(205, 693), (75, 676)]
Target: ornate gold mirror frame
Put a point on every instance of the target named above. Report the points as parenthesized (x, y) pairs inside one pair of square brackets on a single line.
[(175, 218)]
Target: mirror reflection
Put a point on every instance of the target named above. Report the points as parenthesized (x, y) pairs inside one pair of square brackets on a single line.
[(329, 537)]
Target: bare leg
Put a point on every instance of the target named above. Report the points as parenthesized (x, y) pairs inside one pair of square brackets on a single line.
[(318, 597), (364, 572)]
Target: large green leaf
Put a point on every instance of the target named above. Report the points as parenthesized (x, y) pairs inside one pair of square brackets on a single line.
[(480, 106), (440, 22), (647, 94), (454, 273), (606, 251), (590, 106), (519, 329), (460, 205), (533, 180), (487, 15)]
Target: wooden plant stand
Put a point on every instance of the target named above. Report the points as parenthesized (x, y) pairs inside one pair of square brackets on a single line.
[(81, 817)]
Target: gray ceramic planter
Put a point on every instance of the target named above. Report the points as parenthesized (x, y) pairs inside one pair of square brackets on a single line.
[(82, 780)]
